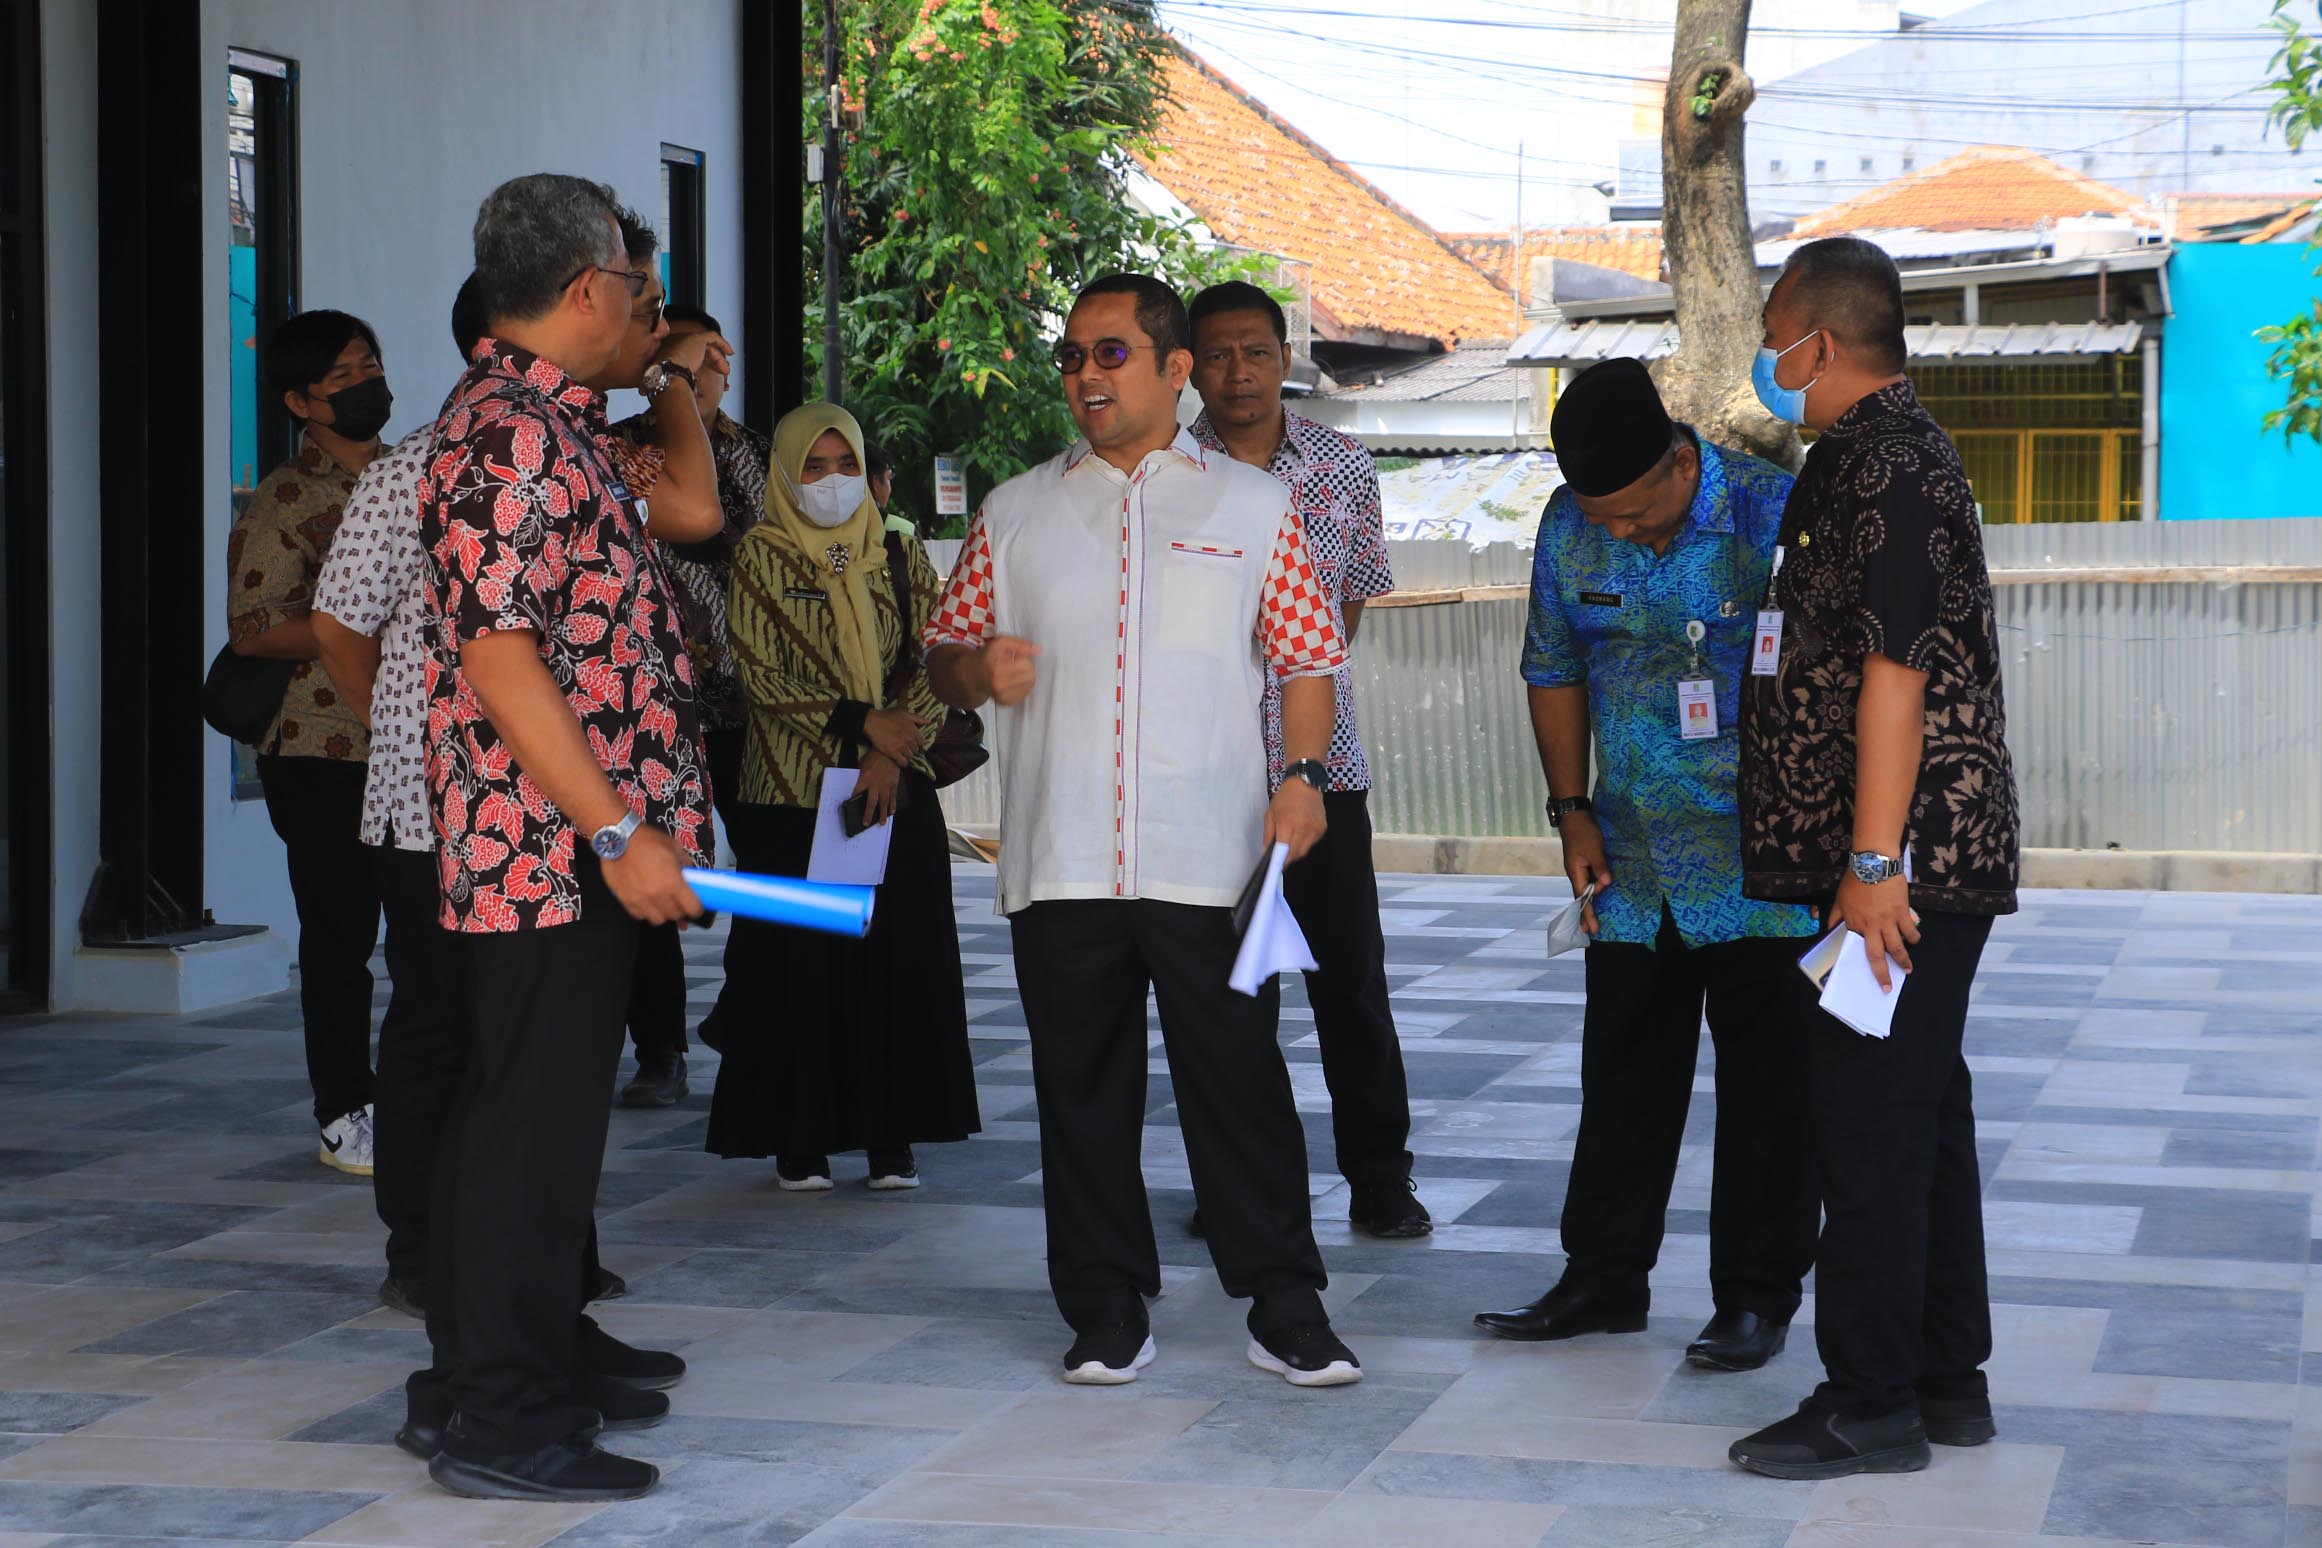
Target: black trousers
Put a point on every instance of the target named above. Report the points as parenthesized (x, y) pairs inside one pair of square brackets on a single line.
[(316, 806), (1335, 893), (1639, 1042), (516, 1181), (1084, 969), (423, 1049), (1901, 1304)]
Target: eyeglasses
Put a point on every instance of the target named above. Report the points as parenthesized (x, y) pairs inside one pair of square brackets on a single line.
[(650, 317), (1112, 354), (633, 278)]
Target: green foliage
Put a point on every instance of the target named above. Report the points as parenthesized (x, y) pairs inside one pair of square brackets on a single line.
[(1705, 94), (986, 151), (2297, 111)]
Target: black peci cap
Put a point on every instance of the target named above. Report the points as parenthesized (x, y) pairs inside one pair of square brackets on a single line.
[(1609, 428)]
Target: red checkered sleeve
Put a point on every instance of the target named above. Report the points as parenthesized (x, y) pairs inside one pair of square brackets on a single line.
[(1296, 622), (963, 614)]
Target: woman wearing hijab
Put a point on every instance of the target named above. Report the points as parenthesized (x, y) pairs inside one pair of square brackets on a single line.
[(835, 1045)]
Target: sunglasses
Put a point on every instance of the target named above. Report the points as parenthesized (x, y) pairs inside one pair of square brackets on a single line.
[(1112, 354)]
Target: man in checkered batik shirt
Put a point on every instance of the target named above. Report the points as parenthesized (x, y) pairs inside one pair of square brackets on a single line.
[(1241, 357), (1122, 605)]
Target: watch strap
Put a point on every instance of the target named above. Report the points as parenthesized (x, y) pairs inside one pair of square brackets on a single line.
[(1312, 770), (1561, 807)]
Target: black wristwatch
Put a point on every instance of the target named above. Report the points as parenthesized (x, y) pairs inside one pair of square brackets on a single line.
[(1312, 770), (1561, 807)]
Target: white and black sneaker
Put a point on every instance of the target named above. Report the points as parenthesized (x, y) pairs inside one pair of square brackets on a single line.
[(802, 1174), (1305, 1354), (346, 1142), (893, 1169), (1109, 1356)]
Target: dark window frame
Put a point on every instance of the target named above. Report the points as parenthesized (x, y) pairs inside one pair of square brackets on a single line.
[(684, 245)]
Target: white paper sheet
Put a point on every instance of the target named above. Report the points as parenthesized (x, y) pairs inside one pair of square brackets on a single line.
[(1273, 943), (860, 861), (1852, 992), (1565, 931)]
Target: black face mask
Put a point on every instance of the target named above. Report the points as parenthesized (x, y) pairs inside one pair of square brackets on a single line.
[(362, 409)]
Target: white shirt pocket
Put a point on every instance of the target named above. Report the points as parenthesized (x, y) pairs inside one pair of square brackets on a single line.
[(1201, 599)]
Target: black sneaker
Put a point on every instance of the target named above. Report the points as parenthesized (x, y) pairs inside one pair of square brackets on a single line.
[(1109, 1356), (1305, 1354), (610, 1286), (1816, 1442), (802, 1174), (601, 1354), (621, 1406), (407, 1296), (1963, 1421), (893, 1169), (660, 1082), (1391, 1210), (423, 1439), (569, 1469)]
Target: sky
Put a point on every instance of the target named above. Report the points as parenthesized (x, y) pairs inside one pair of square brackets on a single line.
[(1430, 98)]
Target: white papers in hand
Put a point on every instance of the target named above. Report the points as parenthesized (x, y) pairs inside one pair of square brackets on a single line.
[(1567, 931), (1850, 990), (1273, 943), (860, 861)]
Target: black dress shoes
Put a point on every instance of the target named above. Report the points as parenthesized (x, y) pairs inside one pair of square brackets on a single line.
[(1566, 1311), (1737, 1341), (1816, 1442)]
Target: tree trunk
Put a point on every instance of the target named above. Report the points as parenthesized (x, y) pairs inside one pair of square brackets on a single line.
[(1705, 232)]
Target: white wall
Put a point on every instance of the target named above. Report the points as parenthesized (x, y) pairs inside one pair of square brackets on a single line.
[(408, 114)]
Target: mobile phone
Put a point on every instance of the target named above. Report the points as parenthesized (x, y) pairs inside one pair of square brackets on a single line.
[(854, 815)]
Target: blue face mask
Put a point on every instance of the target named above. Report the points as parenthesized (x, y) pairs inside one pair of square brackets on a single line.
[(1787, 404)]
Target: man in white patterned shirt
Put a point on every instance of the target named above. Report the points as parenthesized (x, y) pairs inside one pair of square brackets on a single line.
[(1122, 605), (1241, 357), (369, 612)]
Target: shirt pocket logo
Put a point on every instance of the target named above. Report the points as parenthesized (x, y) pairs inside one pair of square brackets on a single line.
[(1201, 595)]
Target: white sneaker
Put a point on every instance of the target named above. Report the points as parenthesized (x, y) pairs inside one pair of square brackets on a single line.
[(347, 1142)]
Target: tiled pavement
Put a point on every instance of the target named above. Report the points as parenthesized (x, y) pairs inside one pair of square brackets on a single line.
[(190, 1351)]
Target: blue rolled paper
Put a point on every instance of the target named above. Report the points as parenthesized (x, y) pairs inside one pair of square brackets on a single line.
[(785, 900)]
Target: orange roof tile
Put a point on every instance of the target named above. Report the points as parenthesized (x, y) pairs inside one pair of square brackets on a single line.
[(2283, 224), (1256, 182), (2190, 217), (1631, 249), (1989, 188)]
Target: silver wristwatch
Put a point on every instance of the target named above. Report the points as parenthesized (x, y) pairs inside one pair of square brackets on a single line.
[(611, 841), (1870, 867), (660, 375)]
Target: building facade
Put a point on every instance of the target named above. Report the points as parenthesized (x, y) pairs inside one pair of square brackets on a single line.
[(176, 177)]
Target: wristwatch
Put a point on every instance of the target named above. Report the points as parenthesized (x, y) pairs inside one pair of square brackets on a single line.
[(1870, 867), (1561, 807), (660, 374), (611, 841), (1312, 770)]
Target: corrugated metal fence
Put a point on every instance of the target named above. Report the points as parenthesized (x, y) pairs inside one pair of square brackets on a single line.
[(2164, 688)]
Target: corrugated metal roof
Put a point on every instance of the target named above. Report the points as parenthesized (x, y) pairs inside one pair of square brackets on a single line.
[(1580, 343), (1472, 373)]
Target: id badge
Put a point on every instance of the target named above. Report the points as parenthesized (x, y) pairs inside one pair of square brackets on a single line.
[(1766, 644), (1697, 709)]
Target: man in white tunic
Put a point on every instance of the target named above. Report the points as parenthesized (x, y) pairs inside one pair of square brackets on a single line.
[(1121, 605)]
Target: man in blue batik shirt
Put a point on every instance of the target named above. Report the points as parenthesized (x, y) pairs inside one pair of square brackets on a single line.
[(1646, 586)]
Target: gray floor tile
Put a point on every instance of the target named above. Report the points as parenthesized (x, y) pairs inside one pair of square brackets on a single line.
[(123, 1510)]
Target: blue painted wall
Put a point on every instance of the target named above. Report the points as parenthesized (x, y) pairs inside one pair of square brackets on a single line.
[(2216, 460)]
